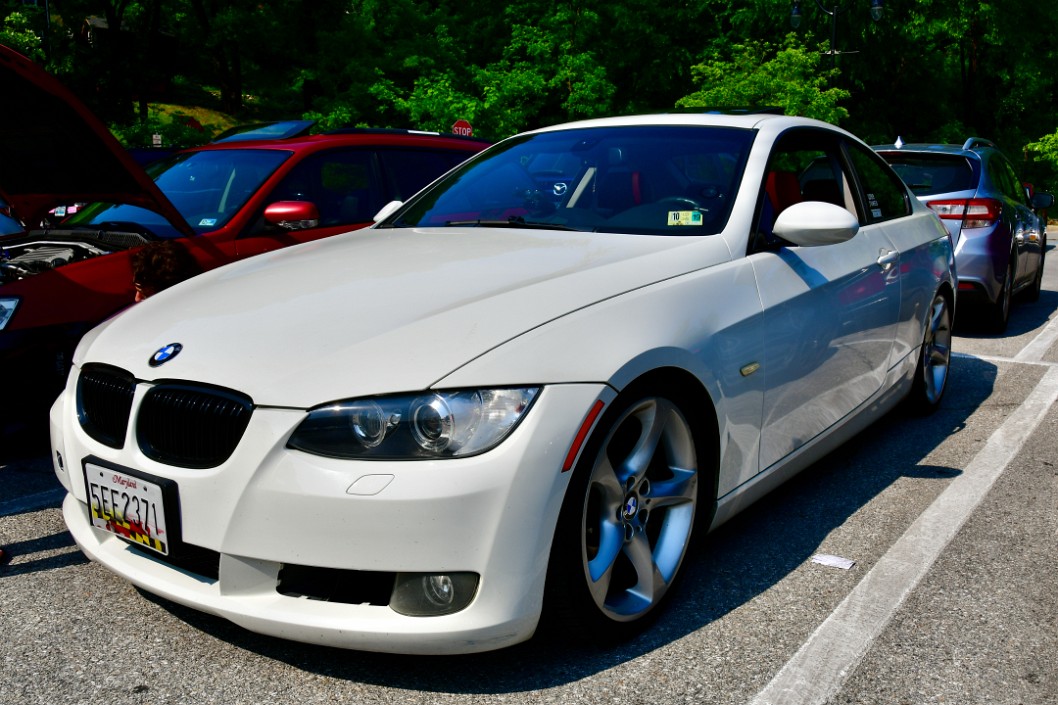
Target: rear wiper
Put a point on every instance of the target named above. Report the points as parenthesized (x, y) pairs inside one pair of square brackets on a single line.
[(515, 221)]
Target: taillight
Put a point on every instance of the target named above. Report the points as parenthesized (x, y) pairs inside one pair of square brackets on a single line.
[(973, 212)]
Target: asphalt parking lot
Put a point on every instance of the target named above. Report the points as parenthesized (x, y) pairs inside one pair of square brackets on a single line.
[(950, 521)]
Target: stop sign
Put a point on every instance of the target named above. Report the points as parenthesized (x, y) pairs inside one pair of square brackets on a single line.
[(462, 127)]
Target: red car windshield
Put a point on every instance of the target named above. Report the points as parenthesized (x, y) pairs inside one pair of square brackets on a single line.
[(207, 187)]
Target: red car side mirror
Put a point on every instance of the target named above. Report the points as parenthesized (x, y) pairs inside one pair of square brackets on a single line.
[(293, 215)]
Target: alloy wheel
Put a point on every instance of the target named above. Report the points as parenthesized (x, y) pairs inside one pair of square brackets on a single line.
[(638, 511)]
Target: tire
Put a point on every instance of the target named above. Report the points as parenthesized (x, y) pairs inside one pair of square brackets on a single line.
[(627, 521), (934, 358), (999, 312)]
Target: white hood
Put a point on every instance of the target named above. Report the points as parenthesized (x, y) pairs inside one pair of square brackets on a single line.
[(380, 310)]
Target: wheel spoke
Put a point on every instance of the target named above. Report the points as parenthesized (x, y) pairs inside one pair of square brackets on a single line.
[(600, 568), (679, 489), (938, 321), (604, 477), (653, 418), (939, 355), (648, 580)]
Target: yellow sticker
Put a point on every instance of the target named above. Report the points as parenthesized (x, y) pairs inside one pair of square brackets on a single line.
[(685, 217)]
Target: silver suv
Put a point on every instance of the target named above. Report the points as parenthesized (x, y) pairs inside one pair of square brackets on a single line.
[(999, 233)]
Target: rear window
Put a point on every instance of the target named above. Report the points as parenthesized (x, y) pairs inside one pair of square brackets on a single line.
[(931, 174)]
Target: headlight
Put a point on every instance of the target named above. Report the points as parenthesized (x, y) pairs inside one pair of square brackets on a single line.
[(448, 424), (7, 309)]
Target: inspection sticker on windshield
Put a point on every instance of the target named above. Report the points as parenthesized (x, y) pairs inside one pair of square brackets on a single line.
[(685, 217), (207, 222)]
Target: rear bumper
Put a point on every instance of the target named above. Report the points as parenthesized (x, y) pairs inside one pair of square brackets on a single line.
[(981, 258)]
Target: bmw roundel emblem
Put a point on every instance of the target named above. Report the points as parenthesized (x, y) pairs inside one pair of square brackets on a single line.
[(165, 354), (631, 506)]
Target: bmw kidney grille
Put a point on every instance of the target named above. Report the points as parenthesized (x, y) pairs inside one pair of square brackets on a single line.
[(178, 423)]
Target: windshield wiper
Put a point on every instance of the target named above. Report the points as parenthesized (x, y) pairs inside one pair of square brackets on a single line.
[(113, 225), (515, 221)]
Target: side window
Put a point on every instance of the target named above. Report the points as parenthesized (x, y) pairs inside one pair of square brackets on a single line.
[(342, 183), (1017, 188), (1000, 175), (805, 165), (884, 194), (409, 170)]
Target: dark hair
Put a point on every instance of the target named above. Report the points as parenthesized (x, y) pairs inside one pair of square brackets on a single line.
[(159, 265)]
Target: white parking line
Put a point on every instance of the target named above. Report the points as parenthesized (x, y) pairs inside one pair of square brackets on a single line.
[(817, 672), (1034, 351)]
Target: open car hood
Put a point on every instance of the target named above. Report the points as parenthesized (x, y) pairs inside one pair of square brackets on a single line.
[(54, 151)]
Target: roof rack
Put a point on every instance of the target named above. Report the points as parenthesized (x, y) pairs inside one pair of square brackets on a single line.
[(974, 142)]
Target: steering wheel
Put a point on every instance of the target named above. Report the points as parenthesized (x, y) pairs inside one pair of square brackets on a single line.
[(688, 203), (537, 203)]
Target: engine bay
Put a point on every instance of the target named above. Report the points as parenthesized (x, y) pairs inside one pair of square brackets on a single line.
[(37, 252)]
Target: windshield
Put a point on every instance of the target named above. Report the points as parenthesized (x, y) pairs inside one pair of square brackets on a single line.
[(207, 187), (651, 180)]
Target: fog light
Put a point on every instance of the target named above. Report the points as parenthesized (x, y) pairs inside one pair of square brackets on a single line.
[(430, 595)]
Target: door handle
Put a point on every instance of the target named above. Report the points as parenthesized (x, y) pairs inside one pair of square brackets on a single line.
[(887, 258)]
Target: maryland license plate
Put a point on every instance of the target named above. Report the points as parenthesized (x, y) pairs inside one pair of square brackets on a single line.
[(128, 505)]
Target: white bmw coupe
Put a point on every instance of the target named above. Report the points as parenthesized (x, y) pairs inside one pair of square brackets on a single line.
[(519, 395)]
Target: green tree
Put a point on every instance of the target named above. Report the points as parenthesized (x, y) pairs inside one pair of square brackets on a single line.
[(16, 33), (1043, 159), (761, 74), (545, 72)]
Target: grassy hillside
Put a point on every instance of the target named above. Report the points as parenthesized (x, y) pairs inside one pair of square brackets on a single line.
[(178, 126)]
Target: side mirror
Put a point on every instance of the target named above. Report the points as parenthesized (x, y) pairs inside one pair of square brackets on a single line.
[(387, 210), (814, 223), (1042, 200), (293, 215)]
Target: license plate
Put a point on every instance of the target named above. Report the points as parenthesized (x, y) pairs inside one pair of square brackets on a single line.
[(128, 505)]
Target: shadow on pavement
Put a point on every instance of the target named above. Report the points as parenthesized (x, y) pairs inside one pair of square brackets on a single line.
[(52, 542), (1025, 317)]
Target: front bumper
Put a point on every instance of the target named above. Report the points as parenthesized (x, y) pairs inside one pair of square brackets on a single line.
[(268, 507)]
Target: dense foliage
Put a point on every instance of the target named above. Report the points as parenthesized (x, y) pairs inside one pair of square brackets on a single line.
[(930, 70)]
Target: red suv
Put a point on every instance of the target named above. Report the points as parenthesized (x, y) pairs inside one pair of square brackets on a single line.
[(222, 202)]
